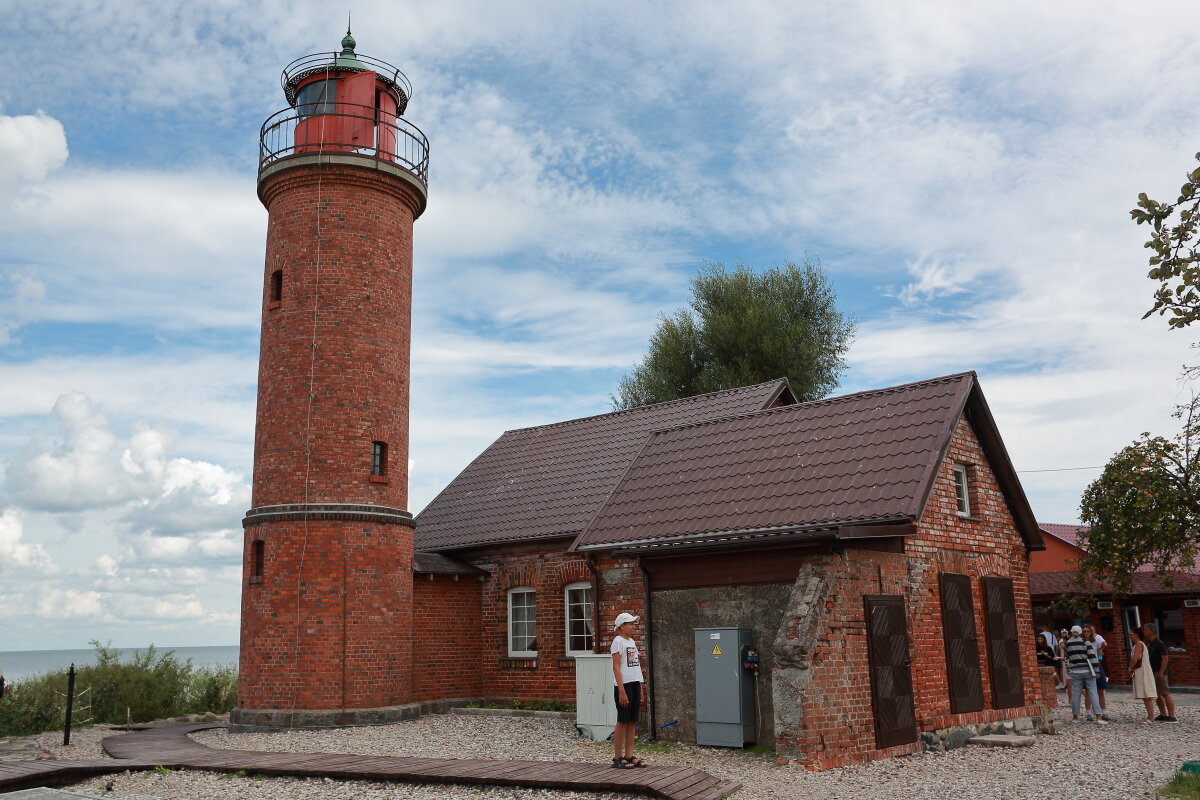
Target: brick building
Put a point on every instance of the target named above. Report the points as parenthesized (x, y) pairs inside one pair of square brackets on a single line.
[(1163, 600), (876, 544)]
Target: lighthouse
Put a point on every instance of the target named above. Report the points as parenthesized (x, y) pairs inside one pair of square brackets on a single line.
[(327, 566)]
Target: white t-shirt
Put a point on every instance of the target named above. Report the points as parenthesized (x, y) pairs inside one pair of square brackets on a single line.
[(631, 664), (1098, 645)]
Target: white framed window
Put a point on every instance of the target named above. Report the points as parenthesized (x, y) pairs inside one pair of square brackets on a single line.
[(577, 598), (962, 492), (522, 623)]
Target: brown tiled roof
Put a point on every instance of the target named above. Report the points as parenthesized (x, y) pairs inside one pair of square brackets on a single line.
[(546, 482), (439, 564), (847, 461), (1068, 533), (1052, 584)]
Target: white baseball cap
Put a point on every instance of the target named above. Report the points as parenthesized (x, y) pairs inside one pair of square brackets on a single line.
[(1076, 629), (622, 618)]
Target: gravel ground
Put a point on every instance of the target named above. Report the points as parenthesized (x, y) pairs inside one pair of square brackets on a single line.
[(1087, 761)]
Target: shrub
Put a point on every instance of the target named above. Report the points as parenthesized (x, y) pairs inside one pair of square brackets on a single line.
[(151, 684)]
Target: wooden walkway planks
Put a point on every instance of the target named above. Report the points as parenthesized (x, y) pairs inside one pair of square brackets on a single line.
[(167, 745)]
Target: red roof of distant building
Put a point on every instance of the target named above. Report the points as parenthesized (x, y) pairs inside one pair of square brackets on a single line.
[(1068, 533), (1052, 584)]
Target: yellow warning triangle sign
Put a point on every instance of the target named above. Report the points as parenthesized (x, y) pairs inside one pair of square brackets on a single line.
[(716, 651)]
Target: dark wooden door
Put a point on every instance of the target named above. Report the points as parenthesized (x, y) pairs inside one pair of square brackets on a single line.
[(962, 645), (1004, 650), (891, 675)]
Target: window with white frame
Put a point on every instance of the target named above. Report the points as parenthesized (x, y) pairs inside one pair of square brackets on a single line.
[(962, 493), (522, 620), (578, 616)]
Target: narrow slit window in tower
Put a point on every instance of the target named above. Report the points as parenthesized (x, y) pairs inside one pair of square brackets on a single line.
[(256, 558), (379, 458), (277, 286)]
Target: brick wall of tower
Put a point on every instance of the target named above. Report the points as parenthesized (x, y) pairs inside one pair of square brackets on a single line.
[(334, 359), (329, 623)]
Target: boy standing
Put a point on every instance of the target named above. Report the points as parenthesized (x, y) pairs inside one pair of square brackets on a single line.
[(627, 691)]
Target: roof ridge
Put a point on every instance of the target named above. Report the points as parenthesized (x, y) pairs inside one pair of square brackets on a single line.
[(636, 409), (812, 403)]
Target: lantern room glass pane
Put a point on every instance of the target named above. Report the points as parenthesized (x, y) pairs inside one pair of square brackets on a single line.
[(316, 98)]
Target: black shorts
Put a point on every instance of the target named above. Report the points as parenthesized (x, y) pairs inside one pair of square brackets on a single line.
[(1101, 678), (628, 713)]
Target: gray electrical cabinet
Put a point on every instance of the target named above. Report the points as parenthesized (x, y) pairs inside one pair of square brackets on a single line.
[(724, 688)]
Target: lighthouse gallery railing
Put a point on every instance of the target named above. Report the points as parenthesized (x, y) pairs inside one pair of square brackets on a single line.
[(344, 128)]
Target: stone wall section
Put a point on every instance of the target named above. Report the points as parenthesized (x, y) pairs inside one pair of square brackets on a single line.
[(677, 612)]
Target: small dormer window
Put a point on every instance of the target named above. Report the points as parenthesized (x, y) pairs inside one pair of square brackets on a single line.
[(962, 490)]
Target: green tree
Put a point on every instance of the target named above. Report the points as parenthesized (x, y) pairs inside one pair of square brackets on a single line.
[(1144, 509), (1176, 260), (741, 328)]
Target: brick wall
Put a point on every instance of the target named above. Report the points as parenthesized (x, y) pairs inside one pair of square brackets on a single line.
[(333, 362), (1183, 669), (328, 624), (447, 637), (824, 663), (548, 569), (986, 543)]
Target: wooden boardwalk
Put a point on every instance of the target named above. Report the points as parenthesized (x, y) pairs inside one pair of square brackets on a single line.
[(167, 745)]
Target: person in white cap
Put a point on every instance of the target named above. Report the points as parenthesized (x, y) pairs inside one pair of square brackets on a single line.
[(627, 691), (1083, 667)]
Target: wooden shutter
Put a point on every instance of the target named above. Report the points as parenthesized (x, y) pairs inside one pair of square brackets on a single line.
[(962, 645), (891, 676), (1004, 650)]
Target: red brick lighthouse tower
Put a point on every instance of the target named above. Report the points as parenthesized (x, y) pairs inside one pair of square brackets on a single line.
[(327, 589)]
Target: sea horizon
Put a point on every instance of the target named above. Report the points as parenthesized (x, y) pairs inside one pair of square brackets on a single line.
[(17, 665)]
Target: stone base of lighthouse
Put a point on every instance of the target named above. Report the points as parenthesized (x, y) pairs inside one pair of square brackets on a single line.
[(326, 616)]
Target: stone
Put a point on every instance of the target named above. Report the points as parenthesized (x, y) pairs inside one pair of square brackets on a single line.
[(959, 737), (1004, 740)]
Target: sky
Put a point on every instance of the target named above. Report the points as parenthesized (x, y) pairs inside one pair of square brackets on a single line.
[(963, 172)]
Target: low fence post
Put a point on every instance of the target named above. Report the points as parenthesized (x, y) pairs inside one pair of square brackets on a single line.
[(70, 705)]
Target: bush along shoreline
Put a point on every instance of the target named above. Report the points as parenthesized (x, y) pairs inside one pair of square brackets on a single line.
[(149, 684)]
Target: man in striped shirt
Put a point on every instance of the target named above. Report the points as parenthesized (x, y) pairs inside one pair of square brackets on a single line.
[(1082, 667)]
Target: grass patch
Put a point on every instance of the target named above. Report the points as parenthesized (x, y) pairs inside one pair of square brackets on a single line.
[(1183, 786), (652, 747), (527, 705), (760, 751), (150, 685)]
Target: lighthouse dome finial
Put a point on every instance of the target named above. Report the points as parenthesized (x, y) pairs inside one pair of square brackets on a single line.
[(348, 44)]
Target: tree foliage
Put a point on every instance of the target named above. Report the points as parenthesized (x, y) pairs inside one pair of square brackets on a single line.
[(741, 328), (1144, 509), (1176, 260)]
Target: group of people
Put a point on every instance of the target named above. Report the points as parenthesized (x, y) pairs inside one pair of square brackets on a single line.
[(1077, 656)]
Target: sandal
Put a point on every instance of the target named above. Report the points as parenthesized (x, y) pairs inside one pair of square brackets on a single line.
[(620, 763), (634, 761)]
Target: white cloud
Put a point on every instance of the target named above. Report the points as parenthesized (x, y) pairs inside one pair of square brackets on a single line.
[(19, 554), (31, 147), (87, 467), (56, 603)]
